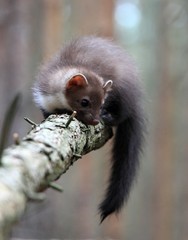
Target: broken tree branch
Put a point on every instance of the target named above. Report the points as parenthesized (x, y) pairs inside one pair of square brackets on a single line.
[(48, 150)]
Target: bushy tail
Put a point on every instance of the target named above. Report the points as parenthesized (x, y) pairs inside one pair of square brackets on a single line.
[(125, 161)]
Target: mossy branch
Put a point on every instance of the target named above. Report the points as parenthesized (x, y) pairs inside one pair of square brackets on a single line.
[(48, 150)]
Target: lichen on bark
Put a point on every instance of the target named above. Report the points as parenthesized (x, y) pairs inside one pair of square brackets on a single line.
[(43, 155)]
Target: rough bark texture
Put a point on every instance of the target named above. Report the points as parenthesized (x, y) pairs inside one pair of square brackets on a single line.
[(40, 158)]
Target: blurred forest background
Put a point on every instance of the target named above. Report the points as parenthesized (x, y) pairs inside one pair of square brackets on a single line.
[(155, 32)]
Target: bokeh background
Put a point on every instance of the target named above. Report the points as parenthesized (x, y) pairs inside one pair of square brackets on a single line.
[(155, 32)]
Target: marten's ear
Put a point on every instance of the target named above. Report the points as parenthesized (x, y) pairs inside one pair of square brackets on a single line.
[(107, 85), (78, 80)]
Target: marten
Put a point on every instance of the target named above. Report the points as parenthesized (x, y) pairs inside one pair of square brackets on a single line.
[(99, 80)]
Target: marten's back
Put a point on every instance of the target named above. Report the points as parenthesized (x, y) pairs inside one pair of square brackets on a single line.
[(100, 55)]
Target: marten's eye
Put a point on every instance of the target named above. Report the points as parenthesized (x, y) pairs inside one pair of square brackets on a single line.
[(84, 102)]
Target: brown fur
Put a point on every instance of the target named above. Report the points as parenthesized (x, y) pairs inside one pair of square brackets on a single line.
[(99, 79)]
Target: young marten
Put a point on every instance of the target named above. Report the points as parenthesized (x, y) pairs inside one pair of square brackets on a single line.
[(99, 80)]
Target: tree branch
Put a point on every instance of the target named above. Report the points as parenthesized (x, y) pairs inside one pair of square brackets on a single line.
[(48, 150)]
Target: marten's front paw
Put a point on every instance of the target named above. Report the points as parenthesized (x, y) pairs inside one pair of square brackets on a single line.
[(107, 117)]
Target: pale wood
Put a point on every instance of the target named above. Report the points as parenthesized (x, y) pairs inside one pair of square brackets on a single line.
[(47, 152)]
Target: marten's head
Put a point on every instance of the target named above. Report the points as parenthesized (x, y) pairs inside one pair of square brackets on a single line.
[(71, 89), (86, 95)]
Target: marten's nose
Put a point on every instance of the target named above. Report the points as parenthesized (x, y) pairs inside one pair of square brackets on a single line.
[(94, 122), (94, 118)]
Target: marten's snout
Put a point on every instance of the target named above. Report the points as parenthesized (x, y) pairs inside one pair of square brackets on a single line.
[(88, 118), (93, 120)]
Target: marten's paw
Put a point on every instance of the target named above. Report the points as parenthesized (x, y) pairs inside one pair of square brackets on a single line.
[(107, 117)]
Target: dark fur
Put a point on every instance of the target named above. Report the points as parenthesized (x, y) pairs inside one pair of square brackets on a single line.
[(125, 154), (122, 108)]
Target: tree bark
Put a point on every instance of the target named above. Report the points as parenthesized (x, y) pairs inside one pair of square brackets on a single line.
[(49, 149)]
